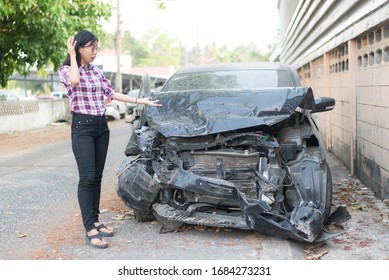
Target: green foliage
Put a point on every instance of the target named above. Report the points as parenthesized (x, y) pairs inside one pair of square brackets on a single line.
[(137, 49), (162, 49), (107, 41), (156, 48), (162, 3), (211, 53), (33, 33), (130, 44)]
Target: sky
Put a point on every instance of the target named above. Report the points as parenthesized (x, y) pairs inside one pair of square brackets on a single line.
[(231, 22)]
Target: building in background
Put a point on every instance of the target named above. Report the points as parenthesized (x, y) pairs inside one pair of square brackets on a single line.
[(341, 50), (106, 60)]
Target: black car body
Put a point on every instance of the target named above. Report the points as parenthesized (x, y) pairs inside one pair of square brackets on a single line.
[(233, 145)]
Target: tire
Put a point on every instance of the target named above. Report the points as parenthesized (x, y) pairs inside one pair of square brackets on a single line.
[(142, 217), (137, 189)]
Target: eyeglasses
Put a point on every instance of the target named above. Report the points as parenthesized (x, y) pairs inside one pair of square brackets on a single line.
[(93, 48)]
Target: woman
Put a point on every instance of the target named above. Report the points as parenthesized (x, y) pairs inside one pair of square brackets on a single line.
[(86, 87)]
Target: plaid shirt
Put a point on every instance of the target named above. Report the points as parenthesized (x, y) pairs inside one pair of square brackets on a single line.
[(88, 96)]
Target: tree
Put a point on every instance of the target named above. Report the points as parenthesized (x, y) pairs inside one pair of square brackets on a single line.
[(162, 49), (137, 49), (211, 53), (250, 52), (161, 3), (33, 33)]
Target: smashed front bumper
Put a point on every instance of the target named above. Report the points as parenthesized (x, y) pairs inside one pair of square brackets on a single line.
[(303, 224)]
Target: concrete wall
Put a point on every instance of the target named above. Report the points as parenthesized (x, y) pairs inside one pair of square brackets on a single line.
[(341, 50), (27, 115), (372, 108)]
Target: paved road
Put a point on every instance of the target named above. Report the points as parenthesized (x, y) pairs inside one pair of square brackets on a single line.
[(39, 218)]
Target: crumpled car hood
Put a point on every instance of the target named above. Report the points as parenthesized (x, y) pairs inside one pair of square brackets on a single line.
[(203, 112)]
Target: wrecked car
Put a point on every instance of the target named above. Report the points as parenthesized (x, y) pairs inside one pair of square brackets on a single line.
[(233, 145)]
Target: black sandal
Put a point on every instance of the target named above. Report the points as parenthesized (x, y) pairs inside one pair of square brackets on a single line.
[(103, 233), (95, 236)]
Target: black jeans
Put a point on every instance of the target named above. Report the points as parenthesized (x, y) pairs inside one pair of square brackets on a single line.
[(90, 139)]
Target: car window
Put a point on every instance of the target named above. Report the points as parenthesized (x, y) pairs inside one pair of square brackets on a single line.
[(58, 94), (242, 79)]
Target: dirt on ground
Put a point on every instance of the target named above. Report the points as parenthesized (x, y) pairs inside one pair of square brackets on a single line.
[(21, 142)]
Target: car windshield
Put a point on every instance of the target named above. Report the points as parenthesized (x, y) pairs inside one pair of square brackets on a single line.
[(242, 79)]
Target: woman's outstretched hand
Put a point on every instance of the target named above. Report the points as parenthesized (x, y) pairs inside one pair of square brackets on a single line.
[(149, 102)]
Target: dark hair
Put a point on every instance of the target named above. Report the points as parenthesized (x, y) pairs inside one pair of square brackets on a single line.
[(83, 37)]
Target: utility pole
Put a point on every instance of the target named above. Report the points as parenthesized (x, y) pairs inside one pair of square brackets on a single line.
[(118, 48)]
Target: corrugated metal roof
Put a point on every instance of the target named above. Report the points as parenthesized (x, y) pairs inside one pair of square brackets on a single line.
[(316, 27)]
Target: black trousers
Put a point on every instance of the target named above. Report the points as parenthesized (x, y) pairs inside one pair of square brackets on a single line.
[(90, 139)]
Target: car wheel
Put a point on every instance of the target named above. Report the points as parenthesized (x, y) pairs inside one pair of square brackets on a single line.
[(137, 189), (142, 217)]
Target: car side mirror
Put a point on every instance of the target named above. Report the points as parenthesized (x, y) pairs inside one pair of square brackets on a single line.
[(145, 87), (323, 104)]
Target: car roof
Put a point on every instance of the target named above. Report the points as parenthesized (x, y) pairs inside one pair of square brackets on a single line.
[(233, 66)]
